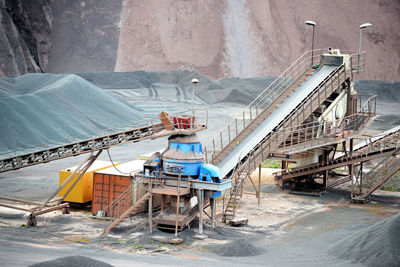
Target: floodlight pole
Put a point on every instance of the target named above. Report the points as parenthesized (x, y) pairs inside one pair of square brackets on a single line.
[(313, 24), (194, 81), (362, 26)]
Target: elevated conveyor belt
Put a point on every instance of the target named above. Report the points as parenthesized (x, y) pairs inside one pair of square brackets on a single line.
[(278, 115), (149, 129)]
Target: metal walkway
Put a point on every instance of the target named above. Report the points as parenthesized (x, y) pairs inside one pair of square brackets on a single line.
[(377, 176), (275, 118), (377, 147), (288, 101)]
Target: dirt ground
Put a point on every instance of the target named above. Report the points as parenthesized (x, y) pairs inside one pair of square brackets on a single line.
[(281, 231)]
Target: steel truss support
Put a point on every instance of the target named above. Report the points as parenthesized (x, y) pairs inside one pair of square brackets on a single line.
[(45, 207)]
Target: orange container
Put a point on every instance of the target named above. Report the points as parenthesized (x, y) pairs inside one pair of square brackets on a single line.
[(110, 183)]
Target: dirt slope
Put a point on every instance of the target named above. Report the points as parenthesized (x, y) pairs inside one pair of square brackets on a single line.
[(255, 37)]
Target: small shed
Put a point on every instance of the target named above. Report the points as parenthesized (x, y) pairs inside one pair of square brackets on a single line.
[(117, 184)]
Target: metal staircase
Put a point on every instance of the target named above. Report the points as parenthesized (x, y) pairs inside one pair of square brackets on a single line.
[(129, 212), (377, 176), (124, 201), (284, 176), (260, 108), (222, 145), (235, 194), (338, 181)]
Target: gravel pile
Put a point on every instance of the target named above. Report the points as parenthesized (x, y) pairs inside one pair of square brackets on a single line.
[(54, 108), (237, 248), (42, 108), (176, 85), (376, 245), (72, 261), (388, 98)]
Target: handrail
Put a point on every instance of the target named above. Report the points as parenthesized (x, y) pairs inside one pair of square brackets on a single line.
[(123, 197), (369, 102), (268, 136), (359, 119), (262, 101), (240, 182), (384, 160), (238, 185)]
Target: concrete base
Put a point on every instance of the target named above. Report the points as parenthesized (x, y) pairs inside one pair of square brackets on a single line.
[(238, 221), (200, 237), (166, 239)]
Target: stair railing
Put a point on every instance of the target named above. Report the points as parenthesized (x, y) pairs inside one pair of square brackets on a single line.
[(259, 104), (124, 200), (239, 183)]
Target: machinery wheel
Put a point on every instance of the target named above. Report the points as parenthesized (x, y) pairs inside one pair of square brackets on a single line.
[(31, 221), (66, 210)]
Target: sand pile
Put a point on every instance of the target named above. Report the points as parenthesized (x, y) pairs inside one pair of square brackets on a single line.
[(388, 98), (50, 108), (237, 248), (376, 245), (72, 261), (177, 84), (41, 108)]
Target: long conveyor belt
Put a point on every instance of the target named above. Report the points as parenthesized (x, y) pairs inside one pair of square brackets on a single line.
[(278, 115)]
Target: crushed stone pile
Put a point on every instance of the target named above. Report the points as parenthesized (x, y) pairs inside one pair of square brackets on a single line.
[(387, 101), (177, 85), (54, 108), (376, 245), (72, 261), (42, 108), (237, 248)]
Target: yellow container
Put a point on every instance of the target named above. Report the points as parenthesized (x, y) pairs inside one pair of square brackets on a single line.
[(83, 190)]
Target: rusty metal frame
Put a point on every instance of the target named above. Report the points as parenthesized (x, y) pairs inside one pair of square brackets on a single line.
[(14, 160)]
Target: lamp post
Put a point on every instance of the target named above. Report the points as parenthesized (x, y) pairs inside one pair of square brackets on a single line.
[(194, 81), (313, 24), (362, 26)]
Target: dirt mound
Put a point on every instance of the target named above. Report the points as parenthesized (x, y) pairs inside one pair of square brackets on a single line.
[(376, 245), (237, 248), (72, 261)]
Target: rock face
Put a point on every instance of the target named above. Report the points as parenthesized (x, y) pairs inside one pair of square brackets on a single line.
[(255, 37), (85, 35), (24, 33), (162, 35), (243, 38), (58, 36)]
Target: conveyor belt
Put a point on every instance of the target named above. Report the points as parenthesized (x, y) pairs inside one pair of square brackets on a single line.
[(278, 115), (150, 129)]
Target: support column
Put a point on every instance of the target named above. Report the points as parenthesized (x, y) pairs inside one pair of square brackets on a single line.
[(177, 214), (163, 200), (259, 184), (200, 197), (151, 212), (361, 177), (325, 173), (284, 164), (351, 168), (213, 206)]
